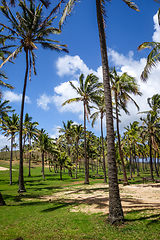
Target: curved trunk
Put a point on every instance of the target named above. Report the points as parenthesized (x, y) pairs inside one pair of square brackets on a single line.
[(85, 150), (104, 164), (21, 178), (115, 208), (10, 170), (119, 143)]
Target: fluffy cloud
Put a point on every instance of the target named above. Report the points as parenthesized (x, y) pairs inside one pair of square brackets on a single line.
[(71, 65), (56, 132), (44, 100), (14, 97), (156, 35), (4, 141)]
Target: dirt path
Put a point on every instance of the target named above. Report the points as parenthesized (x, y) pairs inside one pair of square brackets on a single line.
[(95, 198)]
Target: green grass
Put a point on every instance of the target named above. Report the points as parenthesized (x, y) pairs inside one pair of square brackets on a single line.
[(34, 219)]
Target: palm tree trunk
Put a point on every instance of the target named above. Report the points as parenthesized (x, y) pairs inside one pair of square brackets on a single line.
[(60, 172), (155, 165), (43, 164), (104, 164), (151, 164), (130, 162), (10, 170), (115, 207), (119, 143), (85, 150), (21, 178), (29, 174)]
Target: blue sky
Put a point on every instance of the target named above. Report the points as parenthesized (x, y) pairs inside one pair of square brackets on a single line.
[(126, 30)]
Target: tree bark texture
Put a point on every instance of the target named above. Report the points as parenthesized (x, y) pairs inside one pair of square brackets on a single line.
[(10, 170), (115, 208), (85, 150), (21, 178), (43, 164), (104, 164), (119, 142)]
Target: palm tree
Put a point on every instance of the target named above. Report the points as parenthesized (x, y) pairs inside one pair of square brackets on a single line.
[(4, 109), (115, 208), (15, 145), (29, 28), (131, 137), (100, 110), (67, 131), (150, 131), (10, 127), (32, 132), (78, 132), (88, 91), (42, 144), (122, 86)]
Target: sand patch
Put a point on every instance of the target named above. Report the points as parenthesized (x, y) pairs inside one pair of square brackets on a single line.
[(95, 198), (4, 169)]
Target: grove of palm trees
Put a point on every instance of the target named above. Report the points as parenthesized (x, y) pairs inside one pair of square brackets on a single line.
[(76, 185)]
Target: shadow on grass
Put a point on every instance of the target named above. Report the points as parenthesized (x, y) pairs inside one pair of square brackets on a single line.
[(59, 205)]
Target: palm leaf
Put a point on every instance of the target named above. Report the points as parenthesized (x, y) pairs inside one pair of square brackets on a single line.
[(67, 11)]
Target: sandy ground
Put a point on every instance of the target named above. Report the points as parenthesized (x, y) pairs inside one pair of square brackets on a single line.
[(3, 169), (95, 198)]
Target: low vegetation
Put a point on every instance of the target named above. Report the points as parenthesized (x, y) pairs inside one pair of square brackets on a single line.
[(40, 214)]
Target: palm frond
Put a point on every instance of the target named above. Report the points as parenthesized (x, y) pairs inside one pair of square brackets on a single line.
[(131, 5), (71, 100), (67, 11)]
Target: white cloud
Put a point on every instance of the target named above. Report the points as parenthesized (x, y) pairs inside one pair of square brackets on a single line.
[(71, 65), (14, 97), (64, 92), (56, 132), (4, 141), (156, 34), (44, 100)]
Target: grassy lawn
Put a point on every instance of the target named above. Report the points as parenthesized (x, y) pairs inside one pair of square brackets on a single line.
[(27, 216)]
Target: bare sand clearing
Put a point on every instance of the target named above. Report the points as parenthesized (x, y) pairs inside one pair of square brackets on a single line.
[(4, 169), (95, 198)]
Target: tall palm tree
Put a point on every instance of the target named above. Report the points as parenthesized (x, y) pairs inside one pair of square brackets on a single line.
[(122, 86), (100, 110), (115, 208), (29, 29), (10, 128), (88, 91)]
